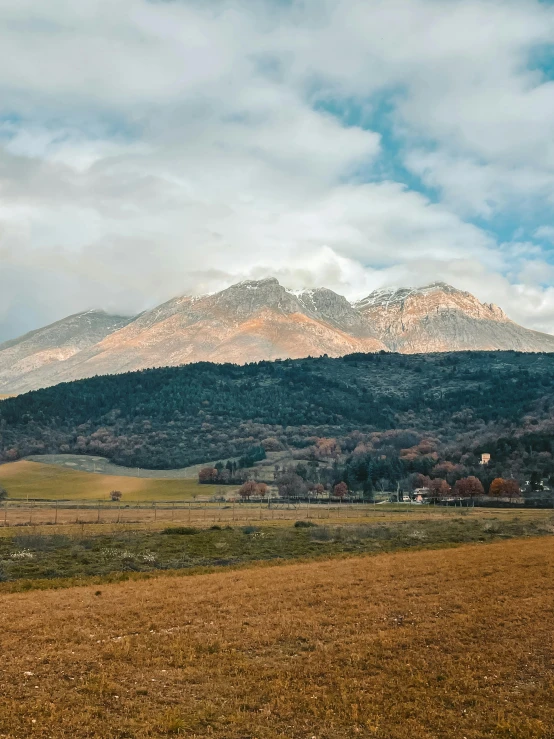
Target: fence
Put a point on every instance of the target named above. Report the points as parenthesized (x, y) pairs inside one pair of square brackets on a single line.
[(20, 513), (203, 514)]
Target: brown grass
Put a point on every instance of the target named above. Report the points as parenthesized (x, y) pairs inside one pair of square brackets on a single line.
[(51, 518), (413, 645)]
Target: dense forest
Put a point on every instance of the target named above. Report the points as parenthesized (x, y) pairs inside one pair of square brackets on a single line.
[(395, 413)]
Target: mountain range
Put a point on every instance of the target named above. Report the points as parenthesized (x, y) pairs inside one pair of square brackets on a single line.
[(261, 320)]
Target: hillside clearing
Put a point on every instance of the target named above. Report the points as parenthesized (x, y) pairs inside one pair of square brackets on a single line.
[(101, 465), (429, 644), (37, 481)]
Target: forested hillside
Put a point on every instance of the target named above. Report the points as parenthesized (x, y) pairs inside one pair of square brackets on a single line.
[(439, 407)]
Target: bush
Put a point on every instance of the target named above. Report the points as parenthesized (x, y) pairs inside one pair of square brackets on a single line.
[(3, 493), (304, 524), (181, 530), (250, 529)]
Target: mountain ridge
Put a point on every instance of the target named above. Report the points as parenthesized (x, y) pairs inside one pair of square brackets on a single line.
[(256, 320)]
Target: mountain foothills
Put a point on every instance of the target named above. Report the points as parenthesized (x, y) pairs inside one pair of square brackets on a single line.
[(261, 320), (386, 415)]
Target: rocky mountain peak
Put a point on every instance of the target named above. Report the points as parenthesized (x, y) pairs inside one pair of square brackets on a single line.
[(385, 296), (251, 296), (437, 297), (258, 320)]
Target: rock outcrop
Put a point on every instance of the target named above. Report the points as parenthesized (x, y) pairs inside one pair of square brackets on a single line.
[(440, 318)]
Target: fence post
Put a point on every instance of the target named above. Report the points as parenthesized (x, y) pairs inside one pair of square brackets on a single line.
[(6, 513), (56, 513)]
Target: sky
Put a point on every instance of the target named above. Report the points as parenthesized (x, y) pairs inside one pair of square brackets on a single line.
[(154, 148)]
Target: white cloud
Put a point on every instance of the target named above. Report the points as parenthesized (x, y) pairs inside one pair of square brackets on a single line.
[(153, 148), (545, 232)]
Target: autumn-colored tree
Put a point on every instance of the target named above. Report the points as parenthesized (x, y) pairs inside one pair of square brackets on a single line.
[(511, 489), (116, 495), (271, 444), (317, 489), (248, 489), (207, 475), (495, 488), (326, 448), (420, 481), (426, 446), (340, 490), (439, 488), (261, 489), (448, 470), (468, 487)]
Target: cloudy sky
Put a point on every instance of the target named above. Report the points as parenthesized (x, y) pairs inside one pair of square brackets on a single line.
[(152, 148)]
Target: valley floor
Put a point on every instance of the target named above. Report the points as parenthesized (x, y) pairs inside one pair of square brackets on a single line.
[(435, 644)]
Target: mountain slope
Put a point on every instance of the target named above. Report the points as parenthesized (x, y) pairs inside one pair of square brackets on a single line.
[(247, 322), (440, 318), (177, 416), (261, 320), (41, 351)]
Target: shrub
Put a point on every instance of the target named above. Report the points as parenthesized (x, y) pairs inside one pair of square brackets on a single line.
[(304, 524), (250, 529), (181, 530)]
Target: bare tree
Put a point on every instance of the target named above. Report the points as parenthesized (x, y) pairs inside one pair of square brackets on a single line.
[(291, 485)]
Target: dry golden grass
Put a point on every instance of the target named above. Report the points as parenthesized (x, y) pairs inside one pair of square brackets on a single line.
[(51, 518), (414, 645), (38, 481)]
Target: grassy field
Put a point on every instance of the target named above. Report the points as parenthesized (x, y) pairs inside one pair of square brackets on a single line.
[(38, 481), (103, 516), (52, 556), (428, 644)]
